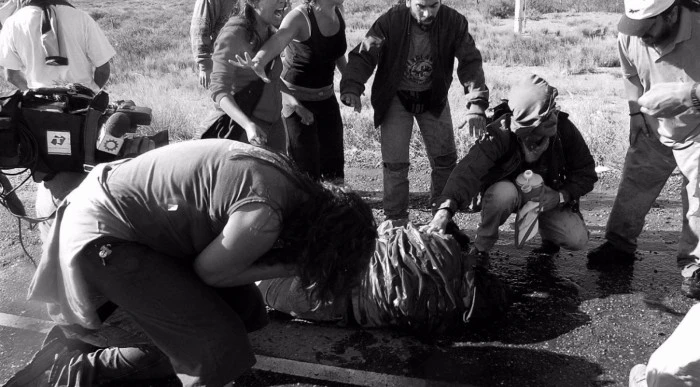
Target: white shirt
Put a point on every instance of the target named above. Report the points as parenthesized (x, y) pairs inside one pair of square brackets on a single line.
[(82, 42)]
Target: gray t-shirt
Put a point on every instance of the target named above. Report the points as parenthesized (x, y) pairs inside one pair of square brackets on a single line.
[(418, 73)]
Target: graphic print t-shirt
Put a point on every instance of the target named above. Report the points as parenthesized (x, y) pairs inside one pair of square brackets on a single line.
[(418, 73)]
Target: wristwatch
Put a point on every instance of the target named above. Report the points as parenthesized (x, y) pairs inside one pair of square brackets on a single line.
[(694, 96), (561, 197)]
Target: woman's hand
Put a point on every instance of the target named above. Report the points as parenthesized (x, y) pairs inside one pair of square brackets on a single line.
[(251, 63), (256, 135), (307, 118)]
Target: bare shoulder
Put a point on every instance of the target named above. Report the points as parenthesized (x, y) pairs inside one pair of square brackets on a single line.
[(297, 21)]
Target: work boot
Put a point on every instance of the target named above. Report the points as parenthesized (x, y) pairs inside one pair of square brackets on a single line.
[(607, 254), (546, 249), (478, 259), (691, 281)]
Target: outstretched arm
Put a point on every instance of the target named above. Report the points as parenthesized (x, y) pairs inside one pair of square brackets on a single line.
[(294, 26), (230, 259)]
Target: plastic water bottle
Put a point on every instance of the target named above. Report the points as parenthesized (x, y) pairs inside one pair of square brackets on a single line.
[(530, 185)]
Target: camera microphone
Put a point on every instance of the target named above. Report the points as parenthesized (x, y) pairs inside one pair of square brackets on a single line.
[(112, 133)]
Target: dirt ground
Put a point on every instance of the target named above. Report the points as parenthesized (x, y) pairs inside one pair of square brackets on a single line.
[(567, 325)]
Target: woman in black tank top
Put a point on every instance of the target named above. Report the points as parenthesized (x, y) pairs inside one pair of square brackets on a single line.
[(314, 36)]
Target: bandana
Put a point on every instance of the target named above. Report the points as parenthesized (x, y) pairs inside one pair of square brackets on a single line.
[(533, 106)]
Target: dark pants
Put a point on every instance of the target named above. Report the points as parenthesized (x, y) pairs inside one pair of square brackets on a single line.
[(318, 148), (202, 330)]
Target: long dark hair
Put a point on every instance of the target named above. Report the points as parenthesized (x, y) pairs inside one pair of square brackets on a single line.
[(330, 237), (245, 9), (693, 5)]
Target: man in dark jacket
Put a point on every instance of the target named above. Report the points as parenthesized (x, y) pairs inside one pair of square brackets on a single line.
[(541, 139), (413, 47)]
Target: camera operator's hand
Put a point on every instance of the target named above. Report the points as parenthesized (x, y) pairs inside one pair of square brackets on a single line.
[(638, 126), (548, 199), (251, 63), (256, 135)]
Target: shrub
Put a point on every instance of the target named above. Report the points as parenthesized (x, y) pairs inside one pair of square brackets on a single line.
[(500, 9)]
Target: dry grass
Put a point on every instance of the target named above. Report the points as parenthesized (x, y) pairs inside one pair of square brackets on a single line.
[(574, 51)]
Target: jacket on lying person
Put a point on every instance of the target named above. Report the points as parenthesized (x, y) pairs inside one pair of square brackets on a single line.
[(415, 281), (566, 165)]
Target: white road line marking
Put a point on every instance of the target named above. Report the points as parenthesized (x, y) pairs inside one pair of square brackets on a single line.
[(342, 375), (26, 323), (272, 364)]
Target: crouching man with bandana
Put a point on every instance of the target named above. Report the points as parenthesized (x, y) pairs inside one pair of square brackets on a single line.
[(537, 136)]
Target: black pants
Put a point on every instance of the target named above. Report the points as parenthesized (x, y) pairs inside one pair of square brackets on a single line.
[(318, 148)]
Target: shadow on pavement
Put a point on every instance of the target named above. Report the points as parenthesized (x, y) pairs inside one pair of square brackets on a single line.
[(498, 366)]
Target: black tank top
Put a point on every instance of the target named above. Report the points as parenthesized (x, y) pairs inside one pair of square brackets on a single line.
[(311, 63)]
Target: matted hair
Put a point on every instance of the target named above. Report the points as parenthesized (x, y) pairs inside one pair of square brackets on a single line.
[(331, 236), (245, 9)]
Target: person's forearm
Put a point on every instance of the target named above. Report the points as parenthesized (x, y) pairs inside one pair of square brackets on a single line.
[(633, 90), (230, 107), (274, 46), (255, 272), (341, 63)]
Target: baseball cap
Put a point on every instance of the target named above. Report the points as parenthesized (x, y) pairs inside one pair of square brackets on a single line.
[(639, 15)]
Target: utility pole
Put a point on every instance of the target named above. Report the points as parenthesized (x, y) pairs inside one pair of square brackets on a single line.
[(519, 16)]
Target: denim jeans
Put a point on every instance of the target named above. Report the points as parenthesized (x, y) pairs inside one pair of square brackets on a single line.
[(286, 295), (438, 137), (559, 225), (648, 165), (318, 148), (202, 330)]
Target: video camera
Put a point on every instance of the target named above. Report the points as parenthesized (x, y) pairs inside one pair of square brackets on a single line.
[(70, 128)]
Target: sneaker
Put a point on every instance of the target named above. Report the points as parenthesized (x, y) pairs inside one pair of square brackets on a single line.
[(547, 249), (478, 259), (691, 281), (607, 254), (638, 376)]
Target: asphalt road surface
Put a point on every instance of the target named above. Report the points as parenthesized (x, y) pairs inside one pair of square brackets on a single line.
[(568, 325)]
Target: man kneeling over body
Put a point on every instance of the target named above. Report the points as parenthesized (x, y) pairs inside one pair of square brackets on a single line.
[(540, 138)]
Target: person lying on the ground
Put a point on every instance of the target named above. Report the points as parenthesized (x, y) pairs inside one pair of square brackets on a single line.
[(538, 137), (676, 363), (415, 281), (178, 236)]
